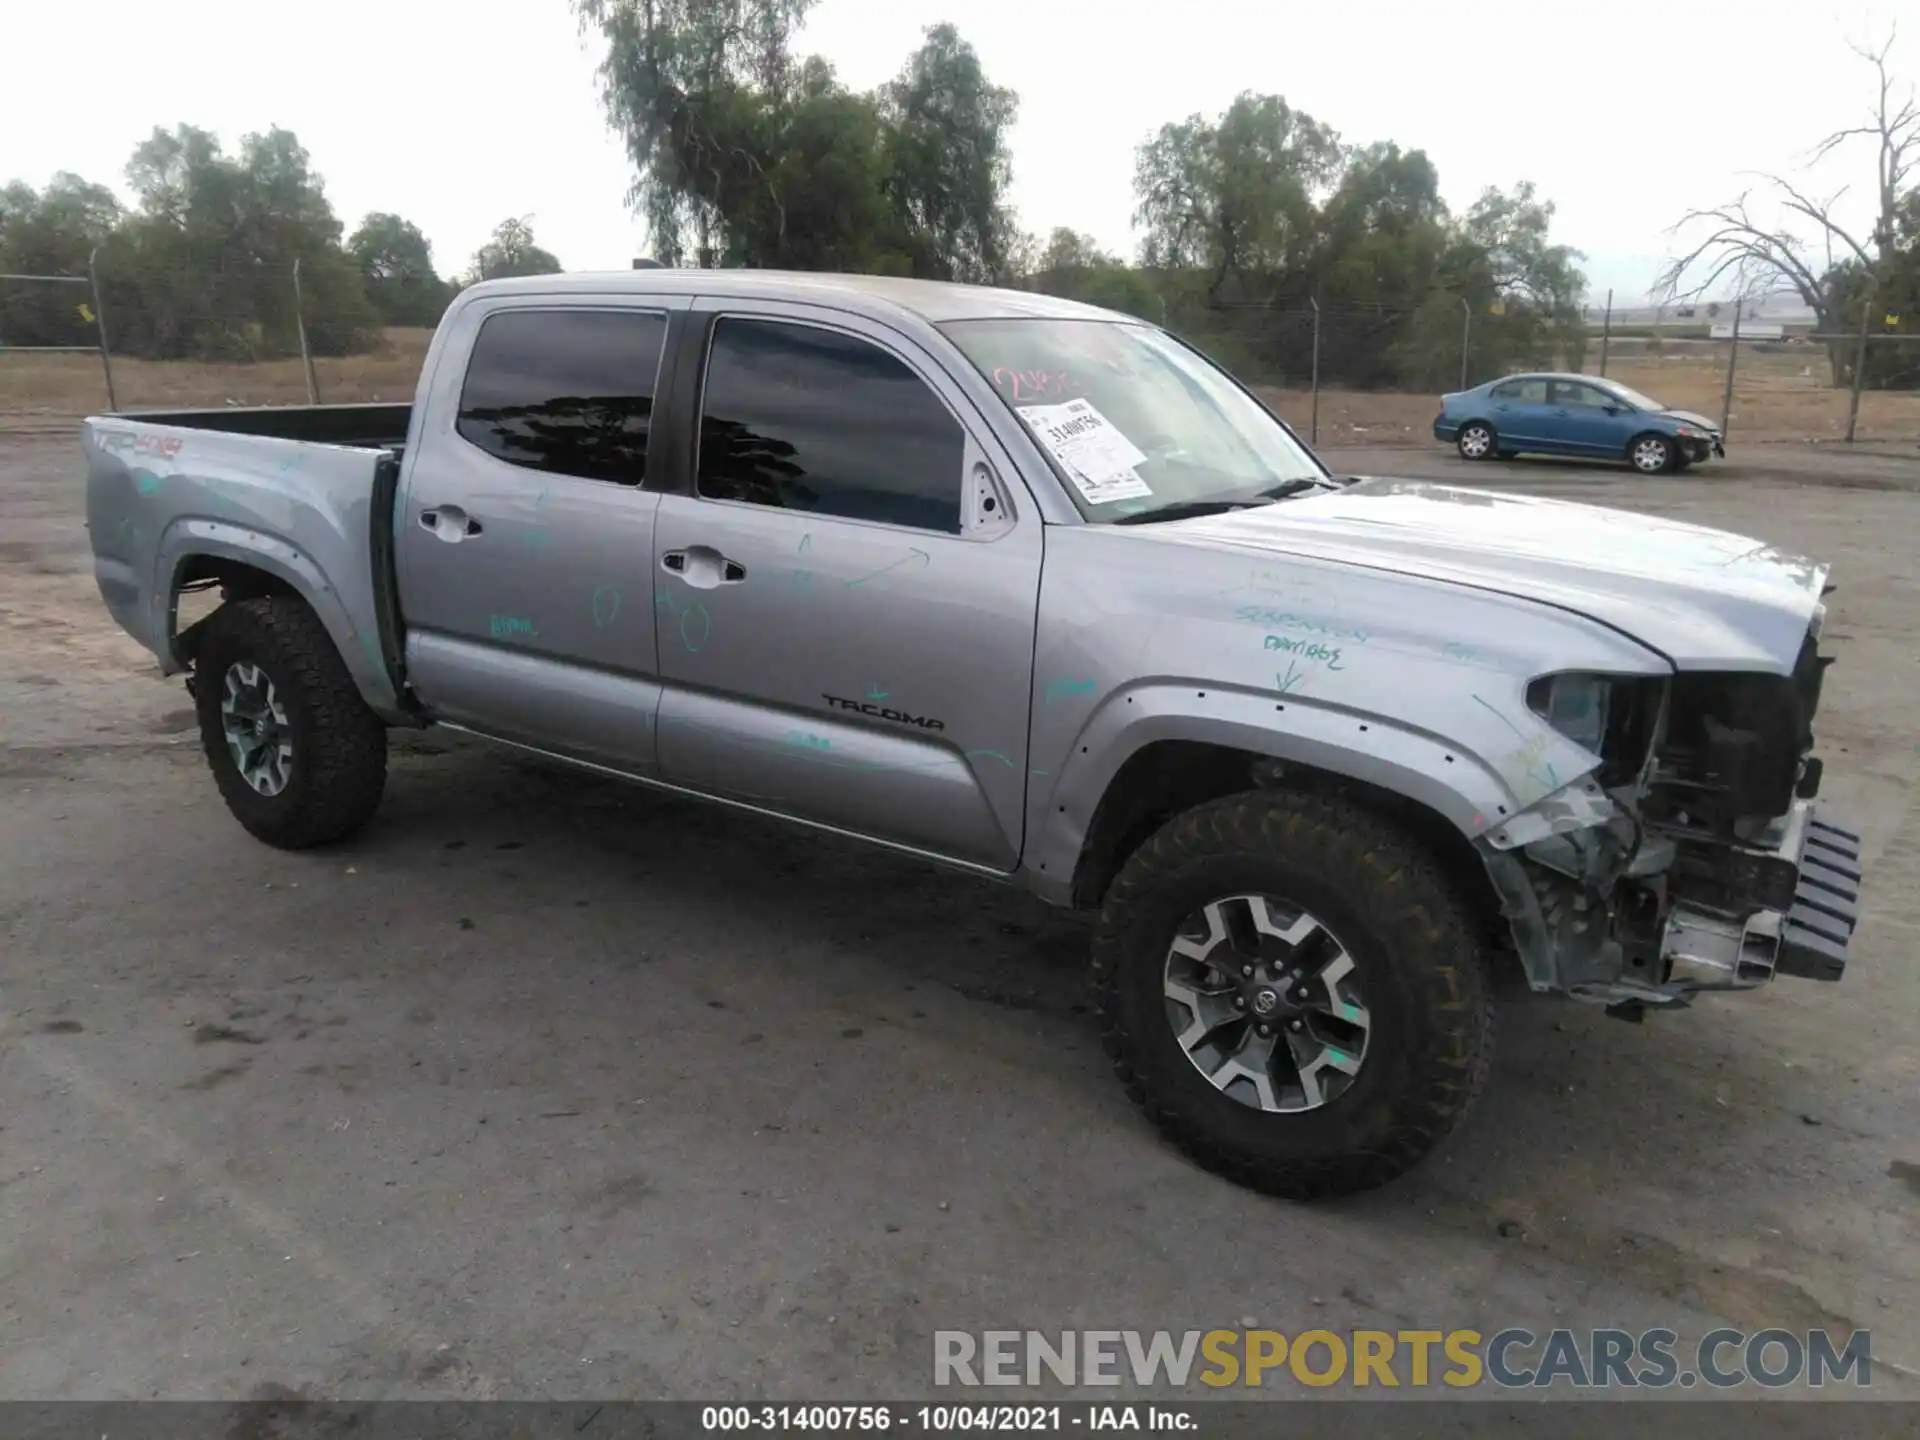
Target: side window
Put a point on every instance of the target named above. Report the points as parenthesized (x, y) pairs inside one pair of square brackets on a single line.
[(1523, 392), (568, 392), (808, 419), (1567, 392)]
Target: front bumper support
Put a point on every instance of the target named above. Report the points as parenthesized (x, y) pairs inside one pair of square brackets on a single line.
[(1817, 929)]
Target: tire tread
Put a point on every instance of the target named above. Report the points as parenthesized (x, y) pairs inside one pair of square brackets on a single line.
[(345, 758), (1413, 906)]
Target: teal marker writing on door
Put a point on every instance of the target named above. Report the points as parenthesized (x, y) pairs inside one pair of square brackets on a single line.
[(1058, 688), (505, 627)]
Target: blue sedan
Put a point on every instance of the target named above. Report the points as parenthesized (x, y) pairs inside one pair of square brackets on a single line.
[(1582, 415)]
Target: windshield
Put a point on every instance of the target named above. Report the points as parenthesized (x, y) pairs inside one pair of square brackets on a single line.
[(1632, 397), (1136, 420)]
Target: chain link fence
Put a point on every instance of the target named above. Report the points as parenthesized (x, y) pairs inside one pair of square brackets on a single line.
[(138, 333), (142, 336), (1354, 376)]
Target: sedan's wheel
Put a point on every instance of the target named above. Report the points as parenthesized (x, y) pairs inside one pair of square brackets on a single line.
[(1293, 992), (1476, 441), (1651, 454)]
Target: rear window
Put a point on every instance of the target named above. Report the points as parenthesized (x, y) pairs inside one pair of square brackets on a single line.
[(566, 392), (1530, 392)]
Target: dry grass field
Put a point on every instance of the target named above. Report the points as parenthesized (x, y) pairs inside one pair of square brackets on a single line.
[(1779, 395)]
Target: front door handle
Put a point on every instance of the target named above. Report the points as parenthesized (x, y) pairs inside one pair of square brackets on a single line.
[(450, 523), (703, 567)]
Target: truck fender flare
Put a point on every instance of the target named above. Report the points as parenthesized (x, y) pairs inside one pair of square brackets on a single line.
[(189, 539), (1447, 779)]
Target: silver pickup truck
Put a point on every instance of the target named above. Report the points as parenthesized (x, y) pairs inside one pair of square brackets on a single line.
[(1034, 591)]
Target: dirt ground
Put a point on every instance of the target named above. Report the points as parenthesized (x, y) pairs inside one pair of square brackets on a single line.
[(1780, 393), (550, 1088)]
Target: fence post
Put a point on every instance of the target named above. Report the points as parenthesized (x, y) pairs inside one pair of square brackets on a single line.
[(1466, 337), (100, 326), (1733, 361), (1860, 356), (300, 325), (1313, 434), (1606, 334)]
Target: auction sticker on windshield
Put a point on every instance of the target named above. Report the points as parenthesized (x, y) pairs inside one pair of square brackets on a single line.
[(1097, 457)]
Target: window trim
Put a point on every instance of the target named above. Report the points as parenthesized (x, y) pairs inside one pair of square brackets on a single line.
[(970, 445), (589, 306)]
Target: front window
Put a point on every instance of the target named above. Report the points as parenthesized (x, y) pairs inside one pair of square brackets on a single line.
[(1137, 421)]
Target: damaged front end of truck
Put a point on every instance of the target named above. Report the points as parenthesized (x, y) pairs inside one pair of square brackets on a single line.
[(1696, 856)]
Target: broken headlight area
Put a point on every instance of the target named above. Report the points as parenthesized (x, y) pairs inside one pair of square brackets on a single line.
[(1717, 871), (1612, 716)]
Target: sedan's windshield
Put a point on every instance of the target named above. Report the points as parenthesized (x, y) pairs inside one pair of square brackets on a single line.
[(1139, 423), (1633, 397)]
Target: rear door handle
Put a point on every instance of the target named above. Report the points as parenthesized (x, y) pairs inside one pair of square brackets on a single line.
[(450, 523), (703, 566)]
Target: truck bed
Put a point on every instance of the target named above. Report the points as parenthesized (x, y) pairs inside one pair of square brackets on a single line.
[(304, 495), (373, 427)]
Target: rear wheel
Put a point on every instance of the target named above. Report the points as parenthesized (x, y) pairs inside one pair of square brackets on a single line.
[(1293, 993), (298, 756), (1476, 440), (1651, 454)]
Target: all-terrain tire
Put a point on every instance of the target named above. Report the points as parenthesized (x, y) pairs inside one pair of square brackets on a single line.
[(1414, 948), (339, 764)]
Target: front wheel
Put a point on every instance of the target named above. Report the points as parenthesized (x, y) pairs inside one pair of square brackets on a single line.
[(298, 756), (1651, 454), (1476, 441), (1293, 993)]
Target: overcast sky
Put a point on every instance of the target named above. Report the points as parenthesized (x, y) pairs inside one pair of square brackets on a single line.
[(455, 115)]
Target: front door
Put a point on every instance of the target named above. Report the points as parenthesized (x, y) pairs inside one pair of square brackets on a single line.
[(1584, 420), (525, 545), (845, 601)]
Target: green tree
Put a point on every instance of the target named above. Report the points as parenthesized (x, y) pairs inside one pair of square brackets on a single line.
[(1073, 266), (745, 155), (51, 232), (1254, 218), (946, 162), (204, 266), (1235, 199), (396, 267), (1887, 300), (512, 251)]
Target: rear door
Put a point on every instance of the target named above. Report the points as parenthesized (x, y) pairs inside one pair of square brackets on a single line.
[(1520, 411), (525, 545), (845, 593)]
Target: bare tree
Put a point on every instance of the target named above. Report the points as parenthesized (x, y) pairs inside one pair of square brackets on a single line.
[(1729, 241)]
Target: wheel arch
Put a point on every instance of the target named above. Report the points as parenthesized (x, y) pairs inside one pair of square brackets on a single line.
[(1161, 777), (245, 564)]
